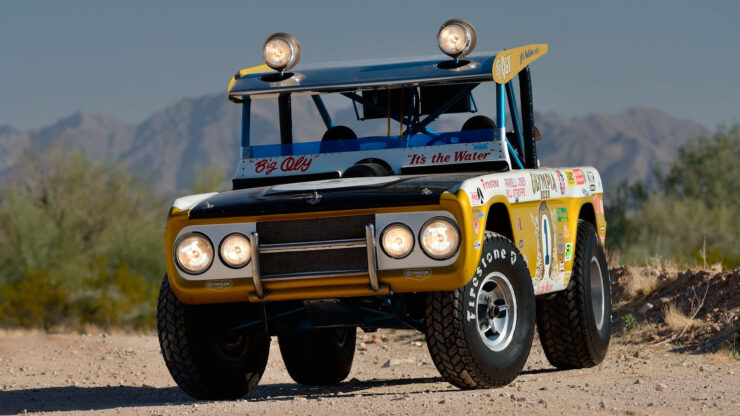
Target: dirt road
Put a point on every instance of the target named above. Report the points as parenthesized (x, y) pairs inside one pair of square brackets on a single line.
[(125, 375)]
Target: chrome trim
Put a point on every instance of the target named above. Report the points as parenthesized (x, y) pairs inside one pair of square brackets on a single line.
[(254, 247), (313, 246), (314, 275), (372, 257)]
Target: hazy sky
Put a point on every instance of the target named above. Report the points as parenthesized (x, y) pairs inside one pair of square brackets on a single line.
[(131, 58)]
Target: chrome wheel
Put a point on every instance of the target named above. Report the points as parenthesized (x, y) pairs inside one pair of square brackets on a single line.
[(597, 292), (496, 311)]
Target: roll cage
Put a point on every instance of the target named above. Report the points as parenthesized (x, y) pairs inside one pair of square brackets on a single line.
[(413, 93)]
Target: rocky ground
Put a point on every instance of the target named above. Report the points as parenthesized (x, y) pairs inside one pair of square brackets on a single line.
[(653, 367)]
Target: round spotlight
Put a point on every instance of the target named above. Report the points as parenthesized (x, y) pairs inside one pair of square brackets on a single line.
[(235, 251), (439, 238), (397, 241), (194, 253), (281, 51), (456, 38)]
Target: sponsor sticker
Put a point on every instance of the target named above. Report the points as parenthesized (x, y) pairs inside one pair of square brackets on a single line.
[(568, 252), (219, 285), (476, 245), (562, 214), (569, 177), (578, 174), (417, 274)]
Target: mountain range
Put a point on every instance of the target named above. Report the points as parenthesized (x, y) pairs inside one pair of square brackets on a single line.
[(171, 144)]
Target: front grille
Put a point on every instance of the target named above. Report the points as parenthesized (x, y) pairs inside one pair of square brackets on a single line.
[(281, 263), (318, 229)]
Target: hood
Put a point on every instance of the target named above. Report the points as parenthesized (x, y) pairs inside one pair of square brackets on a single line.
[(330, 195)]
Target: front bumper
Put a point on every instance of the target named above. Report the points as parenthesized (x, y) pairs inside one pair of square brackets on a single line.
[(379, 275)]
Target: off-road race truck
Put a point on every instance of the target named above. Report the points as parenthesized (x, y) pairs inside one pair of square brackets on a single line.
[(459, 234)]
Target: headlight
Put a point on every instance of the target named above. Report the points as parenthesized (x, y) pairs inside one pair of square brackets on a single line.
[(281, 51), (397, 241), (456, 38), (235, 251), (439, 238), (194, 253)]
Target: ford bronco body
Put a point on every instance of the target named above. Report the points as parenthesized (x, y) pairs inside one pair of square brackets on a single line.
[(458, 234)]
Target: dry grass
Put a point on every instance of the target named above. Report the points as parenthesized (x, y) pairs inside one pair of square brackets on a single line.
[(641, 284), (612, 257), (665, 265), (676, 319)]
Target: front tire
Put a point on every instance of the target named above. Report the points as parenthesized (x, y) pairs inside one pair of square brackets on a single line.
[(207, 363), (319, 357), (479, 336), (575, 324)]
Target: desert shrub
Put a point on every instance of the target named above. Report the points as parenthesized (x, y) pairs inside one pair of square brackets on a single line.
[(686, 213), (80, 242)]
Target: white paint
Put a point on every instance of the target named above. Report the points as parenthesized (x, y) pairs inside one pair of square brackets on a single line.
[(334, 184), (188, 202)]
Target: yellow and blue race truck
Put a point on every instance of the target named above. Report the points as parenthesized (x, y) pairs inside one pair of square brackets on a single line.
[(459, 234)]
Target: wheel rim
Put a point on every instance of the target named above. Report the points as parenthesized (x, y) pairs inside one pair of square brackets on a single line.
[(597, 292), (232, 348), (496, 311)]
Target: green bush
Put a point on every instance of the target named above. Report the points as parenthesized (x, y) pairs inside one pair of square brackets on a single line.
[(689, 212), (80, 242)]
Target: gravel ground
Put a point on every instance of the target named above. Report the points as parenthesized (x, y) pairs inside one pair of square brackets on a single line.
[(392, 374)]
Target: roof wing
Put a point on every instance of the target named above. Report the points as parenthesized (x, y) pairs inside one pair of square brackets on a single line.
[(261, 82)]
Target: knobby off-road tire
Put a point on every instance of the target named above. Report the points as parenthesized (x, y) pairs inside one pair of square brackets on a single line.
[(575, 324), (319, 357), (206, 363), (479, 336)]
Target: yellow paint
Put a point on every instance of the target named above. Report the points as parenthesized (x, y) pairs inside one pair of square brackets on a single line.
[(246, 71), (509, 62)]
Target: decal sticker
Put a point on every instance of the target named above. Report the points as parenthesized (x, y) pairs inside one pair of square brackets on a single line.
[(543, 183), (521, 244), (543, 287), (289, 164), (562, 214), (519, 223), (566, 232), (417, 274), (474, 200), (476, 225), (602, 237), (592, 187), (599, 202), (568, 251), (590, 176), (476, 245), (578, 174), (561, 181), (545, 242), (489, 184), (569, 176), (480, 195), (561, 266), (219, 285), (515, 187)]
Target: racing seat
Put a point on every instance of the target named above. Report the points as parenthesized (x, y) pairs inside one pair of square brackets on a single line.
[(338, 133), (478, 122)]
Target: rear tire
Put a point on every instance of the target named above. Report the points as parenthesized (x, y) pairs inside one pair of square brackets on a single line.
[(319, 357), (479, 336), (207, 363), (575, 324)]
